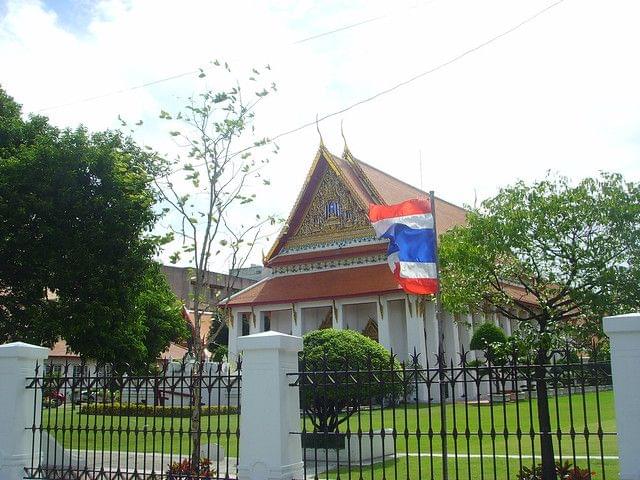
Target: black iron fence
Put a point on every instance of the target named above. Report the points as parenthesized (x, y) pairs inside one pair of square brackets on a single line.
[(93, 423), (463, 418)]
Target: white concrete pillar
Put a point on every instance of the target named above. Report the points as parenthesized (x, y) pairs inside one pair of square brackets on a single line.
[(270, 408), (296, 320), (384, 325), (17, 362), (624, 334)]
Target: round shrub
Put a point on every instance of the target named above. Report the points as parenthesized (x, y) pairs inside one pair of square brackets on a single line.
[(343, 371), (486, 335)]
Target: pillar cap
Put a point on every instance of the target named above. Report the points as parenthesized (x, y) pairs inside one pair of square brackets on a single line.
[(629, 322), (23, 350), (270, 341)]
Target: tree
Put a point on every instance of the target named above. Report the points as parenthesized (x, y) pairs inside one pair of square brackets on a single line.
[(571, 250), (374, 376), (75, 248), (205, 187)]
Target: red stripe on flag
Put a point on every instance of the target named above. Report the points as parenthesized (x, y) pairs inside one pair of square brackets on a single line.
[(414, 206), (417, 286)]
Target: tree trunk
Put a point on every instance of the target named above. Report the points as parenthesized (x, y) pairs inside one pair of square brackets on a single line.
[(196, 384), (544, 419)]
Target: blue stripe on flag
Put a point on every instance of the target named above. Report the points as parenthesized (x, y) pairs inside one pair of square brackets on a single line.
[(412, 245)]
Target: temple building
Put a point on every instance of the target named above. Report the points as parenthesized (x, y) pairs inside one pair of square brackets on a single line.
[(328, 269)]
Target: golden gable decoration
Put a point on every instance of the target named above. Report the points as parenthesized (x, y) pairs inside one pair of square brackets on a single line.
[(371, 329), (333, 214)]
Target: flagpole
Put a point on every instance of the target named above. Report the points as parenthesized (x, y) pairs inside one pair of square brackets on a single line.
[(440, 362)]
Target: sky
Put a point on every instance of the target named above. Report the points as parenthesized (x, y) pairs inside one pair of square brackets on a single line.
[(560, 93)]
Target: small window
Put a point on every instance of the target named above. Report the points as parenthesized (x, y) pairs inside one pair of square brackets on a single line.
[(266, 323)]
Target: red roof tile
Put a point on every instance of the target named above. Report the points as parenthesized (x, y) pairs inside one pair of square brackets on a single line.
[(328, 284)]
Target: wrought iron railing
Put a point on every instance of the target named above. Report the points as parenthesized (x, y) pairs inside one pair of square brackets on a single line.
[(95, 423), (456, 419)]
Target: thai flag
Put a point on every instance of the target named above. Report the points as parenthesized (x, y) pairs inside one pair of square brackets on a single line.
[(412, 243)]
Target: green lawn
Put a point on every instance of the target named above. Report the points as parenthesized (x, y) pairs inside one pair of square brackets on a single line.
[(418, 452), (137, 434), (505, 444)]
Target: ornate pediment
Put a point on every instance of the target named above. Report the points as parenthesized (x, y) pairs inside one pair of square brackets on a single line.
[(333, 214)]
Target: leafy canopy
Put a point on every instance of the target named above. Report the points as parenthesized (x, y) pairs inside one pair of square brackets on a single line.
[(551, 252), (75, 252)]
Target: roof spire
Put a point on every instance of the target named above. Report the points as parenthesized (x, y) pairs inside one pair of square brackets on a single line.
[(319, 132), (346, 153)]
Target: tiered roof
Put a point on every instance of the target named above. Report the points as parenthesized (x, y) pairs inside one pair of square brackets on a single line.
[(338, 278)]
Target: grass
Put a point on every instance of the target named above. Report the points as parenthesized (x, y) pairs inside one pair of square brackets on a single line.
[(137, 434), (417, 443)]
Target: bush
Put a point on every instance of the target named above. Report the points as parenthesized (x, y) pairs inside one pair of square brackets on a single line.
[(183, 470), (564, 472), (219, 353), (485, 335), (329, 395), (142, 410)]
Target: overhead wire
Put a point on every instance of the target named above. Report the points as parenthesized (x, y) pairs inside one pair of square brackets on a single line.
[(407, 81), (198, 70)]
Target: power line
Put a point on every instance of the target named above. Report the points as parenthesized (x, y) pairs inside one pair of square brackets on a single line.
[(422, 74), (409, 80), (192, 72)]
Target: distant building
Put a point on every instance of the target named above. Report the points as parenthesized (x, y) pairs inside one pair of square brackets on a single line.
[(219, 285), (254, 272)]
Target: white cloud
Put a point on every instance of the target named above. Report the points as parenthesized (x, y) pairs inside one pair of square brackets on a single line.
[(560, 93)]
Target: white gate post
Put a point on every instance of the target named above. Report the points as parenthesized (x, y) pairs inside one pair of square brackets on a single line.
[(624, 333), (270, 408), (17, 362)]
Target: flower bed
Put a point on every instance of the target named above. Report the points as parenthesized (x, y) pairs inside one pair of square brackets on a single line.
[(142, 410)]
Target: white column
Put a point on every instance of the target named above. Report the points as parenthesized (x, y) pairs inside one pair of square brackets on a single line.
[(432, 346), (270, 408), (624, 333), (235, 331), (17, 362), (415, 339), (384, 326), (433, 334), (455, 352), (296, 320), (255, 321), (337, 312), (507, 325)]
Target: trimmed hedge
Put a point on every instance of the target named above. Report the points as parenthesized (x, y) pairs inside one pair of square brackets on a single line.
[(142, 410)]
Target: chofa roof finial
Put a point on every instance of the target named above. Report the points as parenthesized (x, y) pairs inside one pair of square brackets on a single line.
[(319, 132), (346, 151)]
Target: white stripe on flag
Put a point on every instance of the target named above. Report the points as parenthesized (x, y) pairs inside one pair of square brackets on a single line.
[(419, 221), (418, 270), (392, 260)]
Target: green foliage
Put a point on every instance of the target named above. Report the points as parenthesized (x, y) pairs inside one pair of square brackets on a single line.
[(486, 336), (76, 253), (374, 376), (564, 471), (572, 250), (142, 410), (219, 353)]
